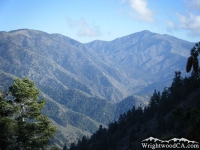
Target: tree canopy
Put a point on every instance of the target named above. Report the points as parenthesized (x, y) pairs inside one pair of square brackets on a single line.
[(23, 126)]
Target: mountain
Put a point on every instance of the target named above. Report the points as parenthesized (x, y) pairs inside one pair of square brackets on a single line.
[(88, 85), (148, 58), (171, 119), (66, 61)]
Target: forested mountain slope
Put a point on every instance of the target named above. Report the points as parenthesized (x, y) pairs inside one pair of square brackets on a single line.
[(172, 113)]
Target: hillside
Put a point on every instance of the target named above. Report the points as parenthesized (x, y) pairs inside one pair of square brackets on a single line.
[(61, 61), (173, 113), (148, 58), (90, 84)]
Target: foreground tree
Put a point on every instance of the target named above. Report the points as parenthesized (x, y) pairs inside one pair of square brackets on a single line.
[(27, 127), (8, 125)]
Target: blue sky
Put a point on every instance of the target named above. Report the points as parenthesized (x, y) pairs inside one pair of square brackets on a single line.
[(88, 20)]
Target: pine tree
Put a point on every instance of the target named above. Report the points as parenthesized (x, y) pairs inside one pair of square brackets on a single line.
[(165, 104), (176, 87), (192, 61), (8, 125), (65, 147), (32, 130), (153, 103)]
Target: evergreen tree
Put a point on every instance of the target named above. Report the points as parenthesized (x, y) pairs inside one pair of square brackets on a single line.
[(83, 144), (176, 88), (153, 104), (31, 130), (65, 147), (177, 81), (165, 104), (8, 125), (113, 127), (193, 60)]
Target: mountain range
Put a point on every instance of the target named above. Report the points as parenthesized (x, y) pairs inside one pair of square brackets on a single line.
[(88, 84)]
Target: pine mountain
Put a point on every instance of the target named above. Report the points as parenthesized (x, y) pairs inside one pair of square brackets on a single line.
[(82, 81)]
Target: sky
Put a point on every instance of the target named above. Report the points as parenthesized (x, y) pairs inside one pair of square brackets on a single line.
[(89, 20)]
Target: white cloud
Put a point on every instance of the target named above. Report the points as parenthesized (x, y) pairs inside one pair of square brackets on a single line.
[(86, 30), (141, 11), (190, 23), (83, 28)]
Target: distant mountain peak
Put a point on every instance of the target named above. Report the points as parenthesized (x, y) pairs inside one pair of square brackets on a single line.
[(144, 31)]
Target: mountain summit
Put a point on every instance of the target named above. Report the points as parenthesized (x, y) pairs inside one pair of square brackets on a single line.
[(145, 57)]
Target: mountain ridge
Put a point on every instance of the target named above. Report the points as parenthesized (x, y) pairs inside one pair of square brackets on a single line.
[(63, 58), (97, 80), (156, 54)]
